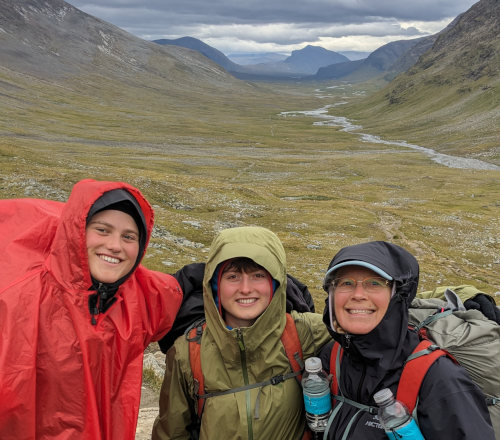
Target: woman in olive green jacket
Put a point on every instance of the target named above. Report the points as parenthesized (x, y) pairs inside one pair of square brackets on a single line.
[(240, 345)]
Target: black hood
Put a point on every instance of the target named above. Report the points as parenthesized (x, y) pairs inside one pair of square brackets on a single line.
[(392, 259), (387, 345)]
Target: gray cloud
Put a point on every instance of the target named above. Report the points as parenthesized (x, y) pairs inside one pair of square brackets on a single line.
[(263, 25)]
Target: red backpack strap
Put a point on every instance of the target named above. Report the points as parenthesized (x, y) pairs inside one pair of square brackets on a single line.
[(335, 359), (415, 369), (194, 339), (293, 349)]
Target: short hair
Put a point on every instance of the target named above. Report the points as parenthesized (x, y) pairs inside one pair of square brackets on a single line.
[(242, 264)]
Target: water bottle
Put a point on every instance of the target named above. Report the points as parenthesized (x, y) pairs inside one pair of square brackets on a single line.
[(317, 400), (395, 417)]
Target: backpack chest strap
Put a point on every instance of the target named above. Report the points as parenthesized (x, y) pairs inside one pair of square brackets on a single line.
[(289, 339), (273, 381)]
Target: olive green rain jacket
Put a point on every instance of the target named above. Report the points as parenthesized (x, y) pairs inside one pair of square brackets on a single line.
[(240, 356)]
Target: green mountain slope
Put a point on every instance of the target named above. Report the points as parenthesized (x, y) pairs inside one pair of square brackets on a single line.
[(450, 97)]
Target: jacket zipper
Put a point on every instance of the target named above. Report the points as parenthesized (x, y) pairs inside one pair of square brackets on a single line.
[(363, 377), (243, 355), (100, 302)]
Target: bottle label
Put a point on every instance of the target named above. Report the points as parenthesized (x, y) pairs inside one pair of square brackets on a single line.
[(318, 404), (409, 431)]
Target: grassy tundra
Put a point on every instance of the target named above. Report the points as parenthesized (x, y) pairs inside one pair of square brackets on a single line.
[(208, 161)]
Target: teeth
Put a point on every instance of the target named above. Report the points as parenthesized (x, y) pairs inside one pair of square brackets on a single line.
[(246, 301), (363, 311), (109, 259)]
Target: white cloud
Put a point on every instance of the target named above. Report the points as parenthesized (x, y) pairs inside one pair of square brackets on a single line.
[(279, 25)]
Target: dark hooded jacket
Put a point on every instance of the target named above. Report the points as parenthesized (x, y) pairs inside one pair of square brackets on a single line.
[(450, 405), (70, 367)]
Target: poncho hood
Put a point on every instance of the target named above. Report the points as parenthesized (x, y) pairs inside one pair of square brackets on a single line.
[(68, 259)]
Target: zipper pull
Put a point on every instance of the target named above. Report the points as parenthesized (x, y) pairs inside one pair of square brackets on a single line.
[(239, 337), (93, 307)]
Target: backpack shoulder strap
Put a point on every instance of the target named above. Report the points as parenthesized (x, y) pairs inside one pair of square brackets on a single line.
[(289, 338), (335, 358), (293, 349), (193, 335), (415, 369)]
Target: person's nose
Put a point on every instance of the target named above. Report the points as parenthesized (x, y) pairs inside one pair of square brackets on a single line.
[(245, 284), (114, 243), (359, 291)]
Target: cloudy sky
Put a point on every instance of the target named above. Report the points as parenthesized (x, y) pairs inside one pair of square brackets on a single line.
[(258, 26)]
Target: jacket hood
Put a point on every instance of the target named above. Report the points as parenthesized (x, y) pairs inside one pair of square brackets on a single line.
[(68, 260), (386, 342), (262, 246)]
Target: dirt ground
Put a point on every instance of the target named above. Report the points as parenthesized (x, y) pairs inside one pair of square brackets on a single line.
[(149, 396), (147, 413)]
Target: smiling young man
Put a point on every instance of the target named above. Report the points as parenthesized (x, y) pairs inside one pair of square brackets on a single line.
[(244, 296), (245, 290), (112, 239), (77, 313)]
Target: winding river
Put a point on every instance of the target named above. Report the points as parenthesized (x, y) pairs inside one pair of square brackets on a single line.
[(348, 126)]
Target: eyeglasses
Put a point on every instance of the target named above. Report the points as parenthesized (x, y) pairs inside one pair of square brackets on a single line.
[(371, 285)]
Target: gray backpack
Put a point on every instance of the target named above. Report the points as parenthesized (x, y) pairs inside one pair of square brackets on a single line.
[(470, 337)]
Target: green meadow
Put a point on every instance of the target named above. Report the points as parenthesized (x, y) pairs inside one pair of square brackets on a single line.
[(210, 158)]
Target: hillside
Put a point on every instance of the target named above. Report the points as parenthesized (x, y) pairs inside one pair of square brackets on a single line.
[(210, 52), (452, 91), (65, 75), (52, 40)]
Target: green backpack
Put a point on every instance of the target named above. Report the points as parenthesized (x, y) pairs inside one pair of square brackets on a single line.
[(472, 339)]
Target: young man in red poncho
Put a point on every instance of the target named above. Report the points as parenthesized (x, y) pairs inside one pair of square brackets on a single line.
[(77, 311)]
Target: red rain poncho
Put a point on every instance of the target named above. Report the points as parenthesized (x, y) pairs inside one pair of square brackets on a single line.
[(60, 376)]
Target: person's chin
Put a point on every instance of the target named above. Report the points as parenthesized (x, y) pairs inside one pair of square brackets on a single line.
[(107, 278), (358, 326)]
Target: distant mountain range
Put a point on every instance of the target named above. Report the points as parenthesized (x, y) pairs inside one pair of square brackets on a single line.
[(390, 59), (272, 57), (300, 63), (317, 63)]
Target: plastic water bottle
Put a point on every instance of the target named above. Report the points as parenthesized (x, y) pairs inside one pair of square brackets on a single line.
[(317, 400), (395, 417)]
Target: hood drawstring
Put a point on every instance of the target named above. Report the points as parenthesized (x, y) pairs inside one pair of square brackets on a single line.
[(101, 301)]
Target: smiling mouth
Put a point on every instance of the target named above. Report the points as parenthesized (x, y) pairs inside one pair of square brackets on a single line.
[(360, 312), (108, 259), (246, 300)]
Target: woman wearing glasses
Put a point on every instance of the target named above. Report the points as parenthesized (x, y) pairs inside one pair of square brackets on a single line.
[(370, 288)]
